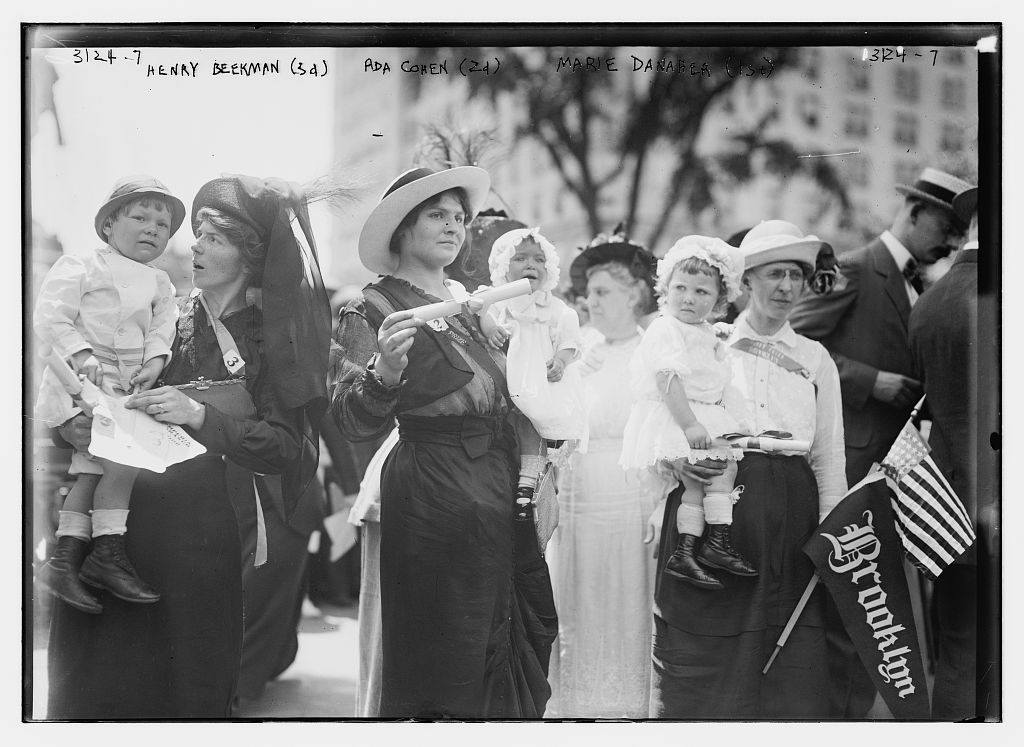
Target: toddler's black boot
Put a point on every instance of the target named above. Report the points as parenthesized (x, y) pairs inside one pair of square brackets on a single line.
[(59, 575), (108, 567), (682, 565)]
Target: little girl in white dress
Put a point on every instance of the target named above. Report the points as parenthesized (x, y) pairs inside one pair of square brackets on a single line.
[(684, 404), (544, 339)]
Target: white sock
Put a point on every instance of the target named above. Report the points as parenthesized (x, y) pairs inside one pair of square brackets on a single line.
[(718, 508), (530, 468), (109, 521), (74, 524), (690, 519)]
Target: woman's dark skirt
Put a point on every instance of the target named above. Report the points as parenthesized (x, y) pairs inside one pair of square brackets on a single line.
[(710, 646), (179, 657), (466, 604)]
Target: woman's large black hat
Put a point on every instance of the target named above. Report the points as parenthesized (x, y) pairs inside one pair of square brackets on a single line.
[(615, 248)]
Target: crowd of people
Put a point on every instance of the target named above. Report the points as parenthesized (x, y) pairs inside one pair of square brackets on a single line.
[(555, 520)]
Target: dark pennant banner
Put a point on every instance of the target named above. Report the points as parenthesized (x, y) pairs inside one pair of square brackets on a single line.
[(860, 559)]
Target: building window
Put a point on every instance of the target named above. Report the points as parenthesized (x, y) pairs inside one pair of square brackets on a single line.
[(953, 93), (809, 110), (952, 56), (908, 84), (952, 138), (858, 170), (857, 76), (906, 172), (812, 63), (858, 121), (906, 129)]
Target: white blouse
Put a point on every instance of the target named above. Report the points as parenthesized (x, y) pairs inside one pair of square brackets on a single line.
[(810, 409)]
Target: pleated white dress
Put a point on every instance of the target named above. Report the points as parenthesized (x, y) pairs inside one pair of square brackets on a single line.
[(602, 572)]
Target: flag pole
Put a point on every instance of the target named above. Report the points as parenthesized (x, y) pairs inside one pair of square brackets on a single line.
[(792, 622), (917, 407)]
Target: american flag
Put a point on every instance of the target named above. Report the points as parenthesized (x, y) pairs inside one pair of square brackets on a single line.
[(930, 520)]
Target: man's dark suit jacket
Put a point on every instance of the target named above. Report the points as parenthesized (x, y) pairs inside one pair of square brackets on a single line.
[(944, 343), (863, 324)]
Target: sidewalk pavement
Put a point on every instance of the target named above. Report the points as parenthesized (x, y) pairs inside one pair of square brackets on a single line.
[(320, 683)]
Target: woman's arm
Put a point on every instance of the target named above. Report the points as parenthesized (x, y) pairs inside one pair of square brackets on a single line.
[(269, 443), (828, 455), (364, 398)]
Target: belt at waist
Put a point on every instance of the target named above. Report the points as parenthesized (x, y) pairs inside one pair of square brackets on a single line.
[(475, 433)]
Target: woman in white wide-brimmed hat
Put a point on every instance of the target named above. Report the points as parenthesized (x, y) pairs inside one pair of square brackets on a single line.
[(466, 612), (710, 646)]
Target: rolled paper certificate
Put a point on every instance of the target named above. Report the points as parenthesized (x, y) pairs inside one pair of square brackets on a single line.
[(764, 443), (486, 296)]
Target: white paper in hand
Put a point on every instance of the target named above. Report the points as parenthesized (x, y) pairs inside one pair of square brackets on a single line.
[(133, 438)]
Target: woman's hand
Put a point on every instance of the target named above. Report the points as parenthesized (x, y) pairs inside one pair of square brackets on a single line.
[(701, 472), (394, 339), (77, 431), (697, 436), (168, 405), (653, 531)]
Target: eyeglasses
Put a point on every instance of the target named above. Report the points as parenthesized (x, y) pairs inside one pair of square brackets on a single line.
[(778, 274)]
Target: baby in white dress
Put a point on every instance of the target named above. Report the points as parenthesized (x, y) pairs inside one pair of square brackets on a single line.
[(543, 334), (684, 406)]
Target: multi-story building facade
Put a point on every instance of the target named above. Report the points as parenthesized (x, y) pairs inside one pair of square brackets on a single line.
[(879, 122)]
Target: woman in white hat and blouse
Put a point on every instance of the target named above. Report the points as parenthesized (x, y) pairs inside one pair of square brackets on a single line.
[(710, 646), (467, 616)]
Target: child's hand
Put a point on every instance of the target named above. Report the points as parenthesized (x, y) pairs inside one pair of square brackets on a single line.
[(475, 304), (86, 364), (555, 369), (723, 330), (698, 437), (498, 336), (147, 375)]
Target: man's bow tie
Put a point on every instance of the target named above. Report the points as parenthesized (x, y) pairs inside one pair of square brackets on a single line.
[(912, 272)]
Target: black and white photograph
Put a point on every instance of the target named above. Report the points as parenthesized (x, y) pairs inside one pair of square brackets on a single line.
[(362, 372)]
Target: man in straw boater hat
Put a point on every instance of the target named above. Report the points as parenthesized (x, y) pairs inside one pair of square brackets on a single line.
[(944, 338), (863, 323)]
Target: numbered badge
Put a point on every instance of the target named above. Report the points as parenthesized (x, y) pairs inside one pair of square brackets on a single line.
[(438, 325), (233, 361)]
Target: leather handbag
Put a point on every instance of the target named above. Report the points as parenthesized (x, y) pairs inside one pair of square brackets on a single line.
[(229, 396)]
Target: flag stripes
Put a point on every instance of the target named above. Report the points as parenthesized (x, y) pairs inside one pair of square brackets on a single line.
[(916, 554), (924, 505), (930, 520), (927, 479), (920, 541)]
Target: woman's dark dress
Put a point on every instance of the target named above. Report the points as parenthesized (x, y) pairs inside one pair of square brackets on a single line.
[(466, 605), (179, 657), (710, 645)]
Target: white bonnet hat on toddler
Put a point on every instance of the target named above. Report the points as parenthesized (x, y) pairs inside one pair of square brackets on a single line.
[(728, 260), (505, 246)]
